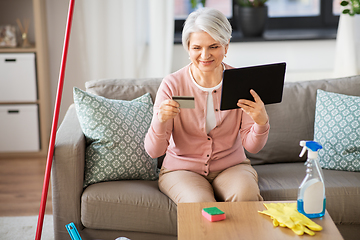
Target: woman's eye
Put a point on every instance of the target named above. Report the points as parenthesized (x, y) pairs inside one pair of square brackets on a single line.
[(214, 47)]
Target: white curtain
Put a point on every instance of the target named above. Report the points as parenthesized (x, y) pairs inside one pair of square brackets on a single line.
[(124, 39)]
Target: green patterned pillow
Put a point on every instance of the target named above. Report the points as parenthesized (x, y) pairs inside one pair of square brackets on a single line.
[(337, 129), (115, 132)]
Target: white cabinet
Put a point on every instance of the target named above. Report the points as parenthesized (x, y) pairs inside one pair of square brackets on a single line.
[(19, 123), (18, 77), (19, 128)]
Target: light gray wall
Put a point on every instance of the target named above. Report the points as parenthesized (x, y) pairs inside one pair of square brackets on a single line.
[(57, 12), (307, 60)]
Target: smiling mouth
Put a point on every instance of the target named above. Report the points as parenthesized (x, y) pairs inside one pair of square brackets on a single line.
[(206, 62)]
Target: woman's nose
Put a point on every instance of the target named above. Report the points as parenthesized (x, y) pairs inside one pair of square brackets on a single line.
[(204, 54)]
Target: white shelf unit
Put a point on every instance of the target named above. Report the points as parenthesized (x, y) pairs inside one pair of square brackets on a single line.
[(25, 114)]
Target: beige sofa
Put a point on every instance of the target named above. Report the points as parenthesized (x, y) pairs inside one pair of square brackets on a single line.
[(138, 210)]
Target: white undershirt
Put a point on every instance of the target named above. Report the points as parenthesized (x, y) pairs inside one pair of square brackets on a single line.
[(210, 112)]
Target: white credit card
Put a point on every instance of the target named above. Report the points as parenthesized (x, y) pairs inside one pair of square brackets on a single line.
[(185, 101)]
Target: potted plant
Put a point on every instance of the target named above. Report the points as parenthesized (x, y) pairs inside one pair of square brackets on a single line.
[(354, 7), (251, 16)]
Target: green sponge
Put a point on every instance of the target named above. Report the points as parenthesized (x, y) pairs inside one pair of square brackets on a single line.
[(213, 214)]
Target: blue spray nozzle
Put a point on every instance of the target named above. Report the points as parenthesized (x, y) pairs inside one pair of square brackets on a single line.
[(311, 145)]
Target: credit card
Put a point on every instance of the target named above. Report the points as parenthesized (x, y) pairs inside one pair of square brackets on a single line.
[(185, 101)]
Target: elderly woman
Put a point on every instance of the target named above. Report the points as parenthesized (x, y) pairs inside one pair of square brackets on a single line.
[(205, 159)]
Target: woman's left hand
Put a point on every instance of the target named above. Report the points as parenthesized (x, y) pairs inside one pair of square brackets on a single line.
[(256, 110)]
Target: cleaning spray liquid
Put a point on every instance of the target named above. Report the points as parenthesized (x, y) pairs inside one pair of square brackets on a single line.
[(311, 196)]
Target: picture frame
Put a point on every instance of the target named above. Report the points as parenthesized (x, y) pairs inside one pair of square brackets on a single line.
[(8, 36)]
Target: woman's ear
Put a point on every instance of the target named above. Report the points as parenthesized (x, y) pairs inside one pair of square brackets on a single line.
[(226, 48)]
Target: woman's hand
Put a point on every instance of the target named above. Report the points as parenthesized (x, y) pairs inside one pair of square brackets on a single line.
[(168, 109), (256, 110)]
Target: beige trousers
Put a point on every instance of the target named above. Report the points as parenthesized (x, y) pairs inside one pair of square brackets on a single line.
[(235, 184)]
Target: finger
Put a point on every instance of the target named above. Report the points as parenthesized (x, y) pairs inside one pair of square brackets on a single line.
[(245, 102), (169, 105), (167, 109), (167, 112), (247, 109), (255, 96), (168, 115), (171, 102)]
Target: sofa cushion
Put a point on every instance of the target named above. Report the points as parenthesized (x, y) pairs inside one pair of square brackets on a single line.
[(134, 205), (292, 120), (115, 132), (126, 89), (337, 129), (280, 182)]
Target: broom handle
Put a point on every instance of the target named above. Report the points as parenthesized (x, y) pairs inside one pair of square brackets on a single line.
[(54, 123)]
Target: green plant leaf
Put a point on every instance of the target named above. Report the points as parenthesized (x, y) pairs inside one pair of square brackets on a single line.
[(346, 11), (344, 3)]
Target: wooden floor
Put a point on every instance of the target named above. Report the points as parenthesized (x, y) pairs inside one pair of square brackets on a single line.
[(21, 183)]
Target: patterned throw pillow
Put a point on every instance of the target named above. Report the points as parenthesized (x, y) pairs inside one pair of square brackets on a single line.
[(115, 132), (337, 129)]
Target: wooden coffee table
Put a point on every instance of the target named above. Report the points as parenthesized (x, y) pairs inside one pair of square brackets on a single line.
[(242, 222)]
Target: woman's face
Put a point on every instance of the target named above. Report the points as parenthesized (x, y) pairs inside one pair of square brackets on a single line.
[(206, 53)]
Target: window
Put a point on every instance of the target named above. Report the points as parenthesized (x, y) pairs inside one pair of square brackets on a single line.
[(183, 8), (283, 14), (336, 7), (302, 14), (291, 8)]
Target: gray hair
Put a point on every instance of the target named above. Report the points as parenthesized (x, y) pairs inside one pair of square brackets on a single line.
[(209, 20)]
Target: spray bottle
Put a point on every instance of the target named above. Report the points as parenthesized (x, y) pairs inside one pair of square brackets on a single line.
[(311, 196)]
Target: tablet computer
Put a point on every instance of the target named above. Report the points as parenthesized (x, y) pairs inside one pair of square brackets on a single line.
[(266, 80)]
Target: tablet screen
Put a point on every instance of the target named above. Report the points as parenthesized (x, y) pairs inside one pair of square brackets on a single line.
[(267, 81)]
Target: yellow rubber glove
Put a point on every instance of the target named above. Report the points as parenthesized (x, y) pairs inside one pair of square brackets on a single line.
[(286, 215)]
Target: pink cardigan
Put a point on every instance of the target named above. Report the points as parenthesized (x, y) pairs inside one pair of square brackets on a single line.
[(184, 139)]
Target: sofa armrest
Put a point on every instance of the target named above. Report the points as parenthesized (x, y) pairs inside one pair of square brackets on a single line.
[(68, 174)]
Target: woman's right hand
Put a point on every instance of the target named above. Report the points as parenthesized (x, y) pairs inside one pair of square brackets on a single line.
[(168, 109)]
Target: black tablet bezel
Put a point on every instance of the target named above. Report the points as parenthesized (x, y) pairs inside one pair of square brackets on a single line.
[(266, 80)]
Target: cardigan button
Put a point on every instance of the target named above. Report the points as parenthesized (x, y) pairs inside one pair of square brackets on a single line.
[(207, 156), (209, 138), (205, 171), (216, 110), (214, 91)]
